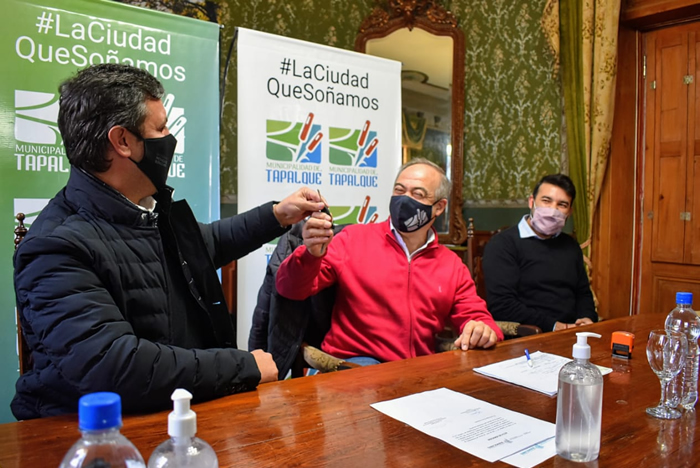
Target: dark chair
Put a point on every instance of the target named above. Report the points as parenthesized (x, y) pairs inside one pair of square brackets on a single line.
[(25, 355), (472, 257)]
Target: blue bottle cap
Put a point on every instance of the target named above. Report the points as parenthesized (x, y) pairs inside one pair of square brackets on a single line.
[(102, 410), (684, 298)]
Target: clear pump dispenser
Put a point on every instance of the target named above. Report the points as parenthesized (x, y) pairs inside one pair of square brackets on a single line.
[(183, 449), (579, 405)]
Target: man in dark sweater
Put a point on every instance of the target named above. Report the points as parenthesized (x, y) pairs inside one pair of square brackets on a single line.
[(534, 274)]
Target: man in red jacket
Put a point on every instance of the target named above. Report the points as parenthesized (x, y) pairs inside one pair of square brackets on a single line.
[(397, 286)]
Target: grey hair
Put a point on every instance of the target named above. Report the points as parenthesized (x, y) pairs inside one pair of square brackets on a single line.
[(445, 187)]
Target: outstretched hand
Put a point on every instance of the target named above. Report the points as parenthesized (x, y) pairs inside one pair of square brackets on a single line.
[(298, 206)]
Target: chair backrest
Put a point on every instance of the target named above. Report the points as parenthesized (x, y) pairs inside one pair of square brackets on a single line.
[(476, 243), (20, 230), (25, 355)]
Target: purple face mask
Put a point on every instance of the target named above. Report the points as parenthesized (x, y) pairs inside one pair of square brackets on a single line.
[(546, 220)]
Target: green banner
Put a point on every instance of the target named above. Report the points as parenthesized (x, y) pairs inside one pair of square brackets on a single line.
[(43, 42)]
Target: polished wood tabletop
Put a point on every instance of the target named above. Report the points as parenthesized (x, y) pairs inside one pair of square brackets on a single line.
[(326, 420)]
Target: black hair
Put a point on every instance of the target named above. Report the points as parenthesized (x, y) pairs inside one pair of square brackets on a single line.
[(560, 180), (96, 99)]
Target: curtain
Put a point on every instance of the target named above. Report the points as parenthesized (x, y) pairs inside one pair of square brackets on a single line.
[(587, 43)]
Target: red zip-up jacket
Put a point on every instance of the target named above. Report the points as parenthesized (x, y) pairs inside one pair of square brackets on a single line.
[(386, 307)]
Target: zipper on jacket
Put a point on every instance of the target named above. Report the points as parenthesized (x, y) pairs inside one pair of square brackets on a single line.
[(411, 338)]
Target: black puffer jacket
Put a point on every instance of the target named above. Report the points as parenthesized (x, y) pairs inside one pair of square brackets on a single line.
[(101, 308), (280, 325)]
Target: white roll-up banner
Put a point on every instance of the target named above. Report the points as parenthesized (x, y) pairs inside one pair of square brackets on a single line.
[(316, 116)]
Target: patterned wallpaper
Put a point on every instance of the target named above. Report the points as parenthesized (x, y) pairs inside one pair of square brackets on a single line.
[(512, 115), (512, 100)]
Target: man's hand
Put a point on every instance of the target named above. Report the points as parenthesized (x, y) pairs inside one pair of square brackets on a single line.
[(267, 367), (563, 326), (476, 334), (317, 233), (298, 206)]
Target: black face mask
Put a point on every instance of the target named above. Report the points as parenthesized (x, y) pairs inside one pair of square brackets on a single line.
[(157, 156), (407, 214)]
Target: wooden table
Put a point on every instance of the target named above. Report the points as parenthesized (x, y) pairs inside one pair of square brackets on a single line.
[(326, 420)]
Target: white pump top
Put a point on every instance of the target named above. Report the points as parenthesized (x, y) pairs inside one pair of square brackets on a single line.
[(182, 422), (581, 349)]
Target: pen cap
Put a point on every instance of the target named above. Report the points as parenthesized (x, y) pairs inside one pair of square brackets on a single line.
[(581, 349), (182, 422)]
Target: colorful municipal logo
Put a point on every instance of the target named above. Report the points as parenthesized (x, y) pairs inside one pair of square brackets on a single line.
[(363, 214), (298, 142), (36, 115), (353, 147)]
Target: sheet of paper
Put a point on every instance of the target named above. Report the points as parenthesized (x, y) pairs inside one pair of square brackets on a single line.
[(534, 455), (543, 376), (477, 427)]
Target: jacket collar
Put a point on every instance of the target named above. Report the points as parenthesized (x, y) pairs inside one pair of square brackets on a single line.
[(87, 193)]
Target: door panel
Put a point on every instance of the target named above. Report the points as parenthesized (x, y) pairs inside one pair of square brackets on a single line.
[(665, 289), (668, 232), (669, 229), (692, 205), (692, 228), (670, 245)]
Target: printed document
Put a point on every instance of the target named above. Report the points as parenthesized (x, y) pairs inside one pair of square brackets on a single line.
[(543, 376), (477, 427), (533, 456)]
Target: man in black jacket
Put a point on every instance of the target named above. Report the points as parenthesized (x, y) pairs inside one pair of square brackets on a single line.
[(116, 283), (535, 274)]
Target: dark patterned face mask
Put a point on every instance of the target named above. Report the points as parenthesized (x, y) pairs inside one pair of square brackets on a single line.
[(407, 214)]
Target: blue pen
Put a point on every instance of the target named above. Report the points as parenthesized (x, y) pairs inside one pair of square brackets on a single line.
[(527, 355)]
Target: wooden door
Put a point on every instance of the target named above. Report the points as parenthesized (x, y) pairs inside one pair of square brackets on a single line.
[(692, 226), (670, 255)]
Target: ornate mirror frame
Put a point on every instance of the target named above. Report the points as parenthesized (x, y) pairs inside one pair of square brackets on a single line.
[(391, 15)]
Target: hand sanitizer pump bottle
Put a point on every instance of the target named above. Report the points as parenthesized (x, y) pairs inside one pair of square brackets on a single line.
[(183, 450), (579, 405)]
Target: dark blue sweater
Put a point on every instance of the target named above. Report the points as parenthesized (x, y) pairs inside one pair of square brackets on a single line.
[(537, 282)]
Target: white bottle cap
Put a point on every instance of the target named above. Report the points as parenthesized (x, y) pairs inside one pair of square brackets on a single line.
[(182, 422), (581, 349)]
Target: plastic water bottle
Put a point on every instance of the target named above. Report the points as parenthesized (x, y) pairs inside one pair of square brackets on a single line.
[(579, 405), (102, 445), (183, 450), (683, 390)]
